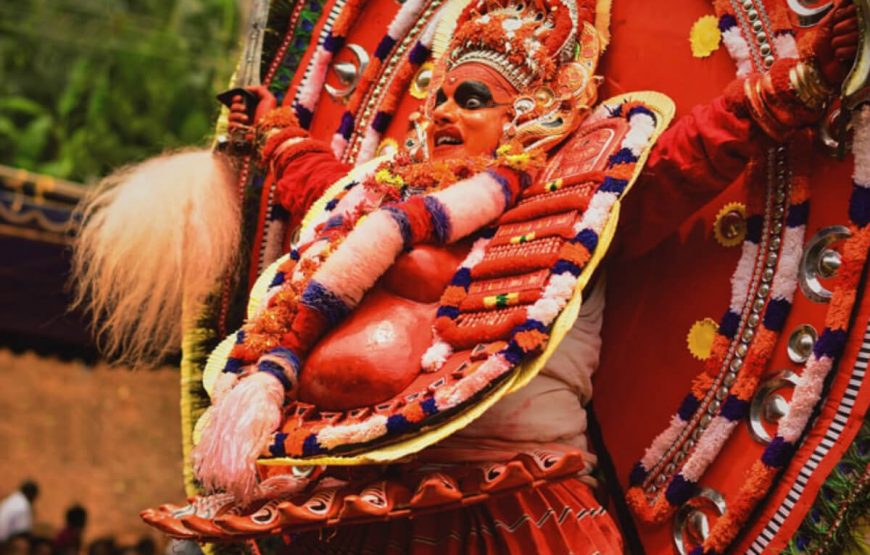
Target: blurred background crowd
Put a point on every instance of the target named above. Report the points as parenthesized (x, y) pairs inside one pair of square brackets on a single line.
[(21, 535)]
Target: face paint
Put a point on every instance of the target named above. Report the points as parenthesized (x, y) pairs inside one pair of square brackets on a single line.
[(469, 113)]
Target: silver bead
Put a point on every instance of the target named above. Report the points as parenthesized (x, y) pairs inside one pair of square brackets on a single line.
[(679, 457), (752, 14), (771, 260), (742, 349), (670, 468), (775, 242), (721, 393), (696, 434), (819, 261), (714, 406), (829, 263), (758, 305), (736, 364), (661, 479), (800, 343), (776, 227), (747, 4), (763, 290), (705, 421), (767, 275), (768, 61), (688, 446), (728, 380), (761, 36), (748, 334), (753, 319), (757, 26)]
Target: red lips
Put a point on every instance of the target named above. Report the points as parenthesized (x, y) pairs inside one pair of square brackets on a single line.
[(447, 136)]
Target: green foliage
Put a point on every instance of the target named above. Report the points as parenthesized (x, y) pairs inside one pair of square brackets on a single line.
[(89, 85)]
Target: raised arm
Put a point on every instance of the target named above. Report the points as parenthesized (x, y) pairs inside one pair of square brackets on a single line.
[(707, 149), (302, 167)]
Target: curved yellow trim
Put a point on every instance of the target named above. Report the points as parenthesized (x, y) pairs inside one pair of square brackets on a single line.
[(603, 10), (261, 286), (216, 362), (191, 382)]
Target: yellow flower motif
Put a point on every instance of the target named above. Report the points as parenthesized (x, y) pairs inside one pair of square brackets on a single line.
[(385, 176), (705, 36), (729, 229), (519, 161), (700, 338)]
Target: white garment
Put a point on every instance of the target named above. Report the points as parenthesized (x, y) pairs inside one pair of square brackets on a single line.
[(550, 408), (15, 515)]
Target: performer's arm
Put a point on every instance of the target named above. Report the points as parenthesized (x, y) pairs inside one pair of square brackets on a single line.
[(302, 167), (695, 159), (707, 149)]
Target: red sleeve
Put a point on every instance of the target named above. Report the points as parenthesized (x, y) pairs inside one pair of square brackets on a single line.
[(694, 160), (304, 178)]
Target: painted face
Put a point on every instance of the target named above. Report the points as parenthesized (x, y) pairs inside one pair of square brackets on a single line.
[(470, 111)]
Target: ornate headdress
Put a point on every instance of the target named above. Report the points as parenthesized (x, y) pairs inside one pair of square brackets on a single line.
[(547, 49)]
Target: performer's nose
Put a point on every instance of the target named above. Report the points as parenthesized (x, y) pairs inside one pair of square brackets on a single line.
[(445, 112)]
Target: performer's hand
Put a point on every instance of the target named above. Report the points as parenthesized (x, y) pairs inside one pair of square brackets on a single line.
[(238, 116), (835, 42)]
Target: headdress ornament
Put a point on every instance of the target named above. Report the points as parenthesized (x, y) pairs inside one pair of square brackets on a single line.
[(526, 40), (547, 49)]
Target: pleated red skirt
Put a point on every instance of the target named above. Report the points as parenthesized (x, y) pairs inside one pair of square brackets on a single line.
[(560, 518)]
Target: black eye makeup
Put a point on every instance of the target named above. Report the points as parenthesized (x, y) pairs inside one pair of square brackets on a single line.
[(473, 95), (469, 95), (440, 97)]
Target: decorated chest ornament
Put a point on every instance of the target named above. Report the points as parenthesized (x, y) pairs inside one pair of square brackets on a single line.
[(547, 49)]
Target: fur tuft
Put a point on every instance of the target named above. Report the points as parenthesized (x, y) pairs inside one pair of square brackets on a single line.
[(237, 431), (155, 236)]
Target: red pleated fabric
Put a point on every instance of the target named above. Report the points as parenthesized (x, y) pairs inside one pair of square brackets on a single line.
[(560, 518)]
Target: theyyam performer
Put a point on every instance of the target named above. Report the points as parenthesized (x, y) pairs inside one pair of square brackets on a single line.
[(410, 374)]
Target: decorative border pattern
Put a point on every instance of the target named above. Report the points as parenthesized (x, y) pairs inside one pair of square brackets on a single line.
[(406, 19), (826, 351), (315, 76), (859, 452)]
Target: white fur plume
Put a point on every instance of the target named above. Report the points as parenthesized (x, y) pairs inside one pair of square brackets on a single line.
[(155, 236)]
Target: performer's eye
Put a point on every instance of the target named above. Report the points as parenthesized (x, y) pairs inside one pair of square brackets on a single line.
[(473, 95), (440, 97)]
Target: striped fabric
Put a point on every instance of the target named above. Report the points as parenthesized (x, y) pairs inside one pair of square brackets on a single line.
[(831, 437), (558, 519)]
